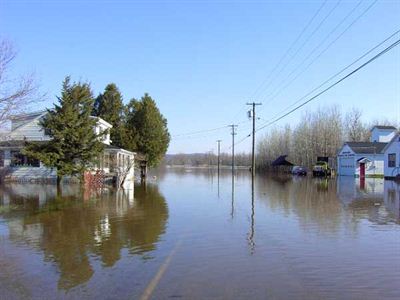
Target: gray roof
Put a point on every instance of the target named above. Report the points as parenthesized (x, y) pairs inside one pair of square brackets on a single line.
[(367, 147), (384, 127), (17, 143)]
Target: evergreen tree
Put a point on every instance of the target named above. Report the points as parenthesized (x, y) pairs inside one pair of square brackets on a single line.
[(74, 145), (109, 106), (148, 128)]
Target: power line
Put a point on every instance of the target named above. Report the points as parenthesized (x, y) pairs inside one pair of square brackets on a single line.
[(387, 49), (189, 134), (282, 86), (289, 49), (334, 84), (341, 71), (303, 44), (198, 132)]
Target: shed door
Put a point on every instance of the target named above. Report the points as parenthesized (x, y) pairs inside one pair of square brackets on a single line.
[(346, 166)]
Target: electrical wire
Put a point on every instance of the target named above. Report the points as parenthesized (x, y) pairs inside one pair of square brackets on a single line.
[(384, 51), (282, 86), (387, 49), (305, 28), (276, 75)]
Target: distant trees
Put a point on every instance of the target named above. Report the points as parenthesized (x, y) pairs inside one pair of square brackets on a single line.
[(201, 159), (319, 133), (74, 145), (16, 94)]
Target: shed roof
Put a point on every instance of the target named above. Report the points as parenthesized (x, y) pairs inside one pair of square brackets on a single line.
[(367, 147), (384, 127), (281, 161)]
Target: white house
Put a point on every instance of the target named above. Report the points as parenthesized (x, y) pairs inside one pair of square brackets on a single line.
[(365, 159), (15, 166), (392, 157)]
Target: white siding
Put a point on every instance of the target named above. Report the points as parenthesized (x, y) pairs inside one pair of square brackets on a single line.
[(393, 147), (32, 131), (346, 162), (382, 135), (372, 168)]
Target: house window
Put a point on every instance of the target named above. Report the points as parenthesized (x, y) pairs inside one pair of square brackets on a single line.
[(32, 162), (392, 160), (18, 159), (106, 160)]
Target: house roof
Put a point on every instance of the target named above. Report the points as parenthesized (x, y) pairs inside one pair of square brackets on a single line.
[(28, 115), (281, 161), (112, 148), (15, 143), (384, 127), (367, 147), (395, 138)]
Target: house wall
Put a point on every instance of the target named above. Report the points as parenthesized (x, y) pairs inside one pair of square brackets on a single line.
[(393, 147), (373, 168), (348, 165), (31, 130), (382, 135), (345, 162), (100, 127)]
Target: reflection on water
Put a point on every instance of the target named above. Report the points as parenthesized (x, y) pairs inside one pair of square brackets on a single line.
[(277, 237), (75, 226)]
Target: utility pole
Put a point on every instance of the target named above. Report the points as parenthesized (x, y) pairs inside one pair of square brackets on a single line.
[(233, 127), (219, 149), (253, 156)]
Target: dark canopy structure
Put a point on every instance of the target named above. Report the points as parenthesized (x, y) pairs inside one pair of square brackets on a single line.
[(281, 161)]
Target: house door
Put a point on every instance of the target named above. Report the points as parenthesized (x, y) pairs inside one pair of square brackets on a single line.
[(362, 170)]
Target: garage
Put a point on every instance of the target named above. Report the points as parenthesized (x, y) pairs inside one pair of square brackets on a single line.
[(346, 166)]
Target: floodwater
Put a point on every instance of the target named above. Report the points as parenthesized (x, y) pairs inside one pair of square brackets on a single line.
[(191, 235)]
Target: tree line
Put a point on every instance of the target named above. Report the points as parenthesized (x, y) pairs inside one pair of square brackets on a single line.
[(319, 133), (202, 159)]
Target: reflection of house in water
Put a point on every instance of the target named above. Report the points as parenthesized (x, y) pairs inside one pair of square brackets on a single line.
[(367, 197), (392, 197), (350, 189), (70, 230)]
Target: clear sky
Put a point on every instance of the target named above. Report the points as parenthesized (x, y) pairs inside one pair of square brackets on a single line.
[(203, 60)]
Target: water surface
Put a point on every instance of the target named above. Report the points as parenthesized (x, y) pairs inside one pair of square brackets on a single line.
[(189, 234)]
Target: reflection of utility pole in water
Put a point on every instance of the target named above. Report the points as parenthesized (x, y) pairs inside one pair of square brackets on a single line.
[(233, 126), (252, 244), (218, 185), (219, 152), (233, 196)]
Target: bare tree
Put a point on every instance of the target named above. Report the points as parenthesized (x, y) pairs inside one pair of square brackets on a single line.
[(16, 94), (355, 129)]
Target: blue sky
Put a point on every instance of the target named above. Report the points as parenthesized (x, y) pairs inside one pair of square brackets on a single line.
[(203, 60)]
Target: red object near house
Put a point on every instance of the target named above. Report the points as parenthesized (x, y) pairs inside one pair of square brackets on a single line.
[(362, 170)]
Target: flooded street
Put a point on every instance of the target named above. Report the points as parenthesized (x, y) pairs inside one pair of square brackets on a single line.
[(191, 235)]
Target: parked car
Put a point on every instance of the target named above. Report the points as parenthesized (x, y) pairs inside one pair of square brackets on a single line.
[(321, 169), (299, 171)]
